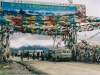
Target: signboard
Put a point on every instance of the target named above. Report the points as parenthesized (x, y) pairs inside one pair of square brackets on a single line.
[(39, 8)]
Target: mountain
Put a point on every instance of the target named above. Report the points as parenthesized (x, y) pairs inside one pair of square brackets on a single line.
[(34, 47), (14, 49)]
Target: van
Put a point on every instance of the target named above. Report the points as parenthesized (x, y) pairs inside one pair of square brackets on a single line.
[(61, 54)]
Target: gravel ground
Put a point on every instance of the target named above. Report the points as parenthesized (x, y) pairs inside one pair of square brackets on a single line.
[(13, 69)]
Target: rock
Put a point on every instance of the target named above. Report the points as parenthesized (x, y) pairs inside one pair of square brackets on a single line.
[(27, 67), (6, 66)]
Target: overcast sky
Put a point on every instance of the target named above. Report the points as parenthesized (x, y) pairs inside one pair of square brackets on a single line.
[(19, 39)]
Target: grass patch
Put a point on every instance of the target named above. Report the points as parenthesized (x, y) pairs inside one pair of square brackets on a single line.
[(5, 71)]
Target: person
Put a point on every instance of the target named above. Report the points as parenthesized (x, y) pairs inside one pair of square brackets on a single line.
[(74, 52), (49, 55), (38, 55), (12, 54), (73, 55), (15, 54), (42, 55), (33, 56), (21, 55), (25, 54), (28, 55)]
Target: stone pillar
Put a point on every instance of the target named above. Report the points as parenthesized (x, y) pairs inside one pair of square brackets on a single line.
[(4, 43)]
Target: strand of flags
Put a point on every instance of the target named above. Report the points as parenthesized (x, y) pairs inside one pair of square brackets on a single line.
[(58, 43), (17, 0), (94, 35)]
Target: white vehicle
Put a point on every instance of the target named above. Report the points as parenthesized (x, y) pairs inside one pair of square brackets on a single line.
[(18, 53), (31, 53), (61, 54)]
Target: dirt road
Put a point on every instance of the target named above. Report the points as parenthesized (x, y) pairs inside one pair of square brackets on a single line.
[(65, 68)]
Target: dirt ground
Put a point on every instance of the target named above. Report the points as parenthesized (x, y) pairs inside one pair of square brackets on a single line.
[(63, 68), (66, 68)]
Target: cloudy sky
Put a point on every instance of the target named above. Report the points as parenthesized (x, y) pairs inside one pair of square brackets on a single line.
[(19, 39)]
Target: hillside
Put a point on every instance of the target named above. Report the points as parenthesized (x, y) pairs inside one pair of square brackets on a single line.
[(34, 47)]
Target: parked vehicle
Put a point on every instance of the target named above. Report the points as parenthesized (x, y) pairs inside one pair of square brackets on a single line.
[(61, 54), (31, 53), (47, 54), (18, 53)]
